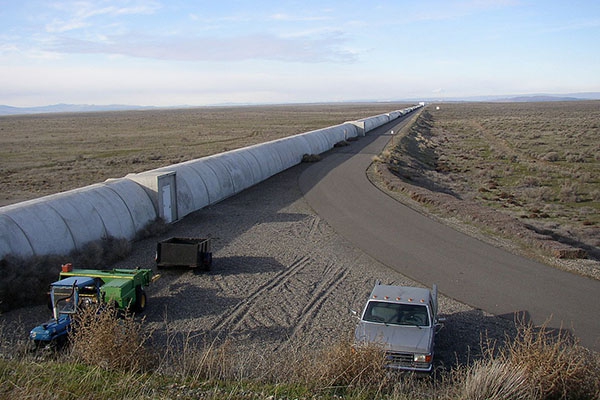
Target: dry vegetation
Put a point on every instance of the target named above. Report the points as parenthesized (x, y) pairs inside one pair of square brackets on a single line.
[(50, 153), (112, 357), (528, 172)]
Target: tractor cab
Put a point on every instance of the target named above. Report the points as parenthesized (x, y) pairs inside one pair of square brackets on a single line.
[(70, 294), (67, 297)]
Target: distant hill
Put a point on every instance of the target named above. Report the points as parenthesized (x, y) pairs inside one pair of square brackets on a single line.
[(534, 97), (542, 98), (67, 108), (74, 108)]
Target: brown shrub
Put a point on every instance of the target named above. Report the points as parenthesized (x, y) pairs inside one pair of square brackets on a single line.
[(551, 156), (539, 363), (496, 380), (25, 281), (557, 366), (106, 338), (310, 158), (345, 365)]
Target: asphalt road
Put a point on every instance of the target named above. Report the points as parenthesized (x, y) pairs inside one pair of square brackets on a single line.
[(466, 269)]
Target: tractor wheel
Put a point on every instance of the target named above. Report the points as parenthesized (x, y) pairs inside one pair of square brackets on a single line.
[(140, 299)]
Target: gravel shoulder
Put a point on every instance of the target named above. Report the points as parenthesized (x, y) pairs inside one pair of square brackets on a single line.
[(282, 280)]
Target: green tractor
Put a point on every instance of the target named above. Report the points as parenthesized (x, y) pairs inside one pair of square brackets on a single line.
[(77, 288)]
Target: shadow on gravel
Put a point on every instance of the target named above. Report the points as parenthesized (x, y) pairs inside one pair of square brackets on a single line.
[(188, 301), (459, 343), (237, 265)]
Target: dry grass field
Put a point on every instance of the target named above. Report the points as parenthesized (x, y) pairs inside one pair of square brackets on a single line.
[(526, 171), (49, 153)]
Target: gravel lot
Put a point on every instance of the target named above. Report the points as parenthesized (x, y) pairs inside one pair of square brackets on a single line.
[(281, 279)]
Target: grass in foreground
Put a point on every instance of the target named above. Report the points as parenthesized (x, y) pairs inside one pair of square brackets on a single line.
[(111, 357)]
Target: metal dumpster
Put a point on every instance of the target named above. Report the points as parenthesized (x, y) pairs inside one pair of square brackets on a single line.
[(184, 252)]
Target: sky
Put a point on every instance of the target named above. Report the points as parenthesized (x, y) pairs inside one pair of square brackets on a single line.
[(176, 52)]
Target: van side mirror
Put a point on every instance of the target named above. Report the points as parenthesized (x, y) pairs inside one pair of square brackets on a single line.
[(439, 324)]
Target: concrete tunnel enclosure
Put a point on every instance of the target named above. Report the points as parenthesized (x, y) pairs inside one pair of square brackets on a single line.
[(63, 222)]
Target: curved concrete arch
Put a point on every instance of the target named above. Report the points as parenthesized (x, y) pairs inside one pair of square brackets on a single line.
[(115, 216), (290, 150), (75, 207), (12, 238), (350, 130), (240, 166), (210, 181), (136, 200), (269, 161), (375, 121), (44, 228), (226, 185), (317, 140), (394, 114)]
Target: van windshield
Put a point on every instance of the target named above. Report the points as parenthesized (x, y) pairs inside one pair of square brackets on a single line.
[(396, 314)]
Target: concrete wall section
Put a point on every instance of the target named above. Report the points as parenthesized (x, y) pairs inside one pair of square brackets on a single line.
[(359, 126), (60, 223), (45, 229), (134, 197), (269, 160), (12, 238), (375, 122), (114, 214)]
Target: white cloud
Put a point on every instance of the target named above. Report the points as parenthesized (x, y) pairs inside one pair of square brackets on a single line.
[(237, 48), (78, 14), (295, 18)]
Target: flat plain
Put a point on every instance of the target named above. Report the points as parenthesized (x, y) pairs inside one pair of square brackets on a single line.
[(50, 153)]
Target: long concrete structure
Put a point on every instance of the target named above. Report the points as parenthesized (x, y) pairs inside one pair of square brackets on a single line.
[(61, 223)]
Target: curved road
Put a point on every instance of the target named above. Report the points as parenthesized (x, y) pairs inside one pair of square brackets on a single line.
[(464, 268)]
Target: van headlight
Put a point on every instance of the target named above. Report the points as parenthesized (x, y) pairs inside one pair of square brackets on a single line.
[(422, 358)]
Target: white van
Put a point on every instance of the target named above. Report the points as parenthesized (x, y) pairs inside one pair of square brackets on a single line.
[(403, 320)]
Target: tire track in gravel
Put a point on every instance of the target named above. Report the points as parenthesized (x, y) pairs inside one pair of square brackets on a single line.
[(315, 228), (334, 274), (234, 319), (311, 230)]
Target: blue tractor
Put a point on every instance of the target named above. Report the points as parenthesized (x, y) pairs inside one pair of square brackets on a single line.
[(78, 288), (67, 297)]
